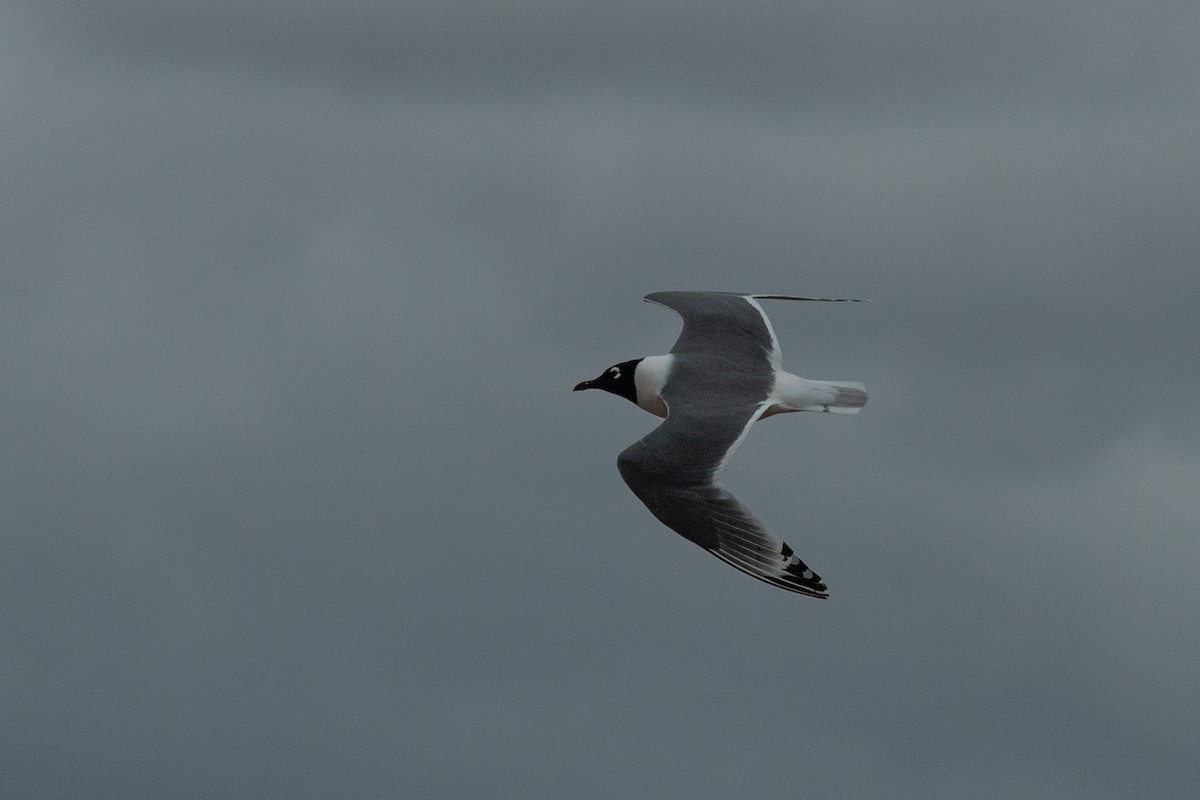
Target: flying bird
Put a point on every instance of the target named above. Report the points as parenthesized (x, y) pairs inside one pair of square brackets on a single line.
[(723, 374)]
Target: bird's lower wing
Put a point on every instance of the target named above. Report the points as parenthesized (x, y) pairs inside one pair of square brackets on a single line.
[(718, 522), (674, 476)]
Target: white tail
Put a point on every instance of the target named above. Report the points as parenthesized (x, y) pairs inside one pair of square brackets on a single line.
[(793, 393), (849, 398)]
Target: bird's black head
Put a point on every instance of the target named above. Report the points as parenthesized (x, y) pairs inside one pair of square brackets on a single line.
[(617, 379)]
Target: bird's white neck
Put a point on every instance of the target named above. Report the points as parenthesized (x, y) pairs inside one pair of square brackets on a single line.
[(649, 379)]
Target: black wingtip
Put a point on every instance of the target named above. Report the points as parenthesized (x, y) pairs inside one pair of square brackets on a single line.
[(802, 574), (810, 299)]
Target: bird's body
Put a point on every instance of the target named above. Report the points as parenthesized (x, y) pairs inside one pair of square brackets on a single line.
[(723, 374)]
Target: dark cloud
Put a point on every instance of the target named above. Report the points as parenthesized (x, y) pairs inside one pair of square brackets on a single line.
[(861, 56), (299, 502)]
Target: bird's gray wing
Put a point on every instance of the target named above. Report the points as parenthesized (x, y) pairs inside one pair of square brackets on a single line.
[(728, 328), (676, 470)]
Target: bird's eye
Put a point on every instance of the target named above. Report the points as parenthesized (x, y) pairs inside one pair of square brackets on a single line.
[(616, 373)]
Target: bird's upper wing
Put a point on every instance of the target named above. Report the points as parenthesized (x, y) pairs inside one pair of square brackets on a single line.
[(676, 471), (729, 326), (721, 326)]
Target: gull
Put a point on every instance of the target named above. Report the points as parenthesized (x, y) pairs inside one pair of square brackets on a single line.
[(723, 374)]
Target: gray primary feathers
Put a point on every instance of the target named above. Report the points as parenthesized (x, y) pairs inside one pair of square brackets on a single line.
[(722, 375)]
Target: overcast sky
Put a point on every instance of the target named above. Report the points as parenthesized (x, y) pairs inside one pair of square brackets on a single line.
[(298, 502)]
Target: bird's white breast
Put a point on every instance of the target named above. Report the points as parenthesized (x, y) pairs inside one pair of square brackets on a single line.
[(649, 378)]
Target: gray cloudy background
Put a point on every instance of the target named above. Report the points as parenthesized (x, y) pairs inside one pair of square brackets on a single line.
[(297, 501)]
